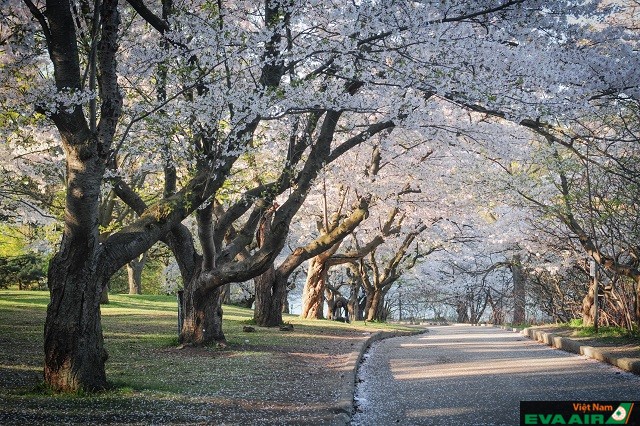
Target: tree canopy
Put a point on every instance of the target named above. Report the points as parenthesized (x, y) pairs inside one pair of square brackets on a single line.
[(475, 137)]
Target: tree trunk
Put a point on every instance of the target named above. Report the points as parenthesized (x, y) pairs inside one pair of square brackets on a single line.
[(270, 288), (73, 342), (588, 306), (330, 298), (202, 310), (518, 291), (104, 296), (353, 307), (286, 307), (636, 301), (74, 351), (375, 309), (461, 311), (225, 294), (134, 274), (313, 294)]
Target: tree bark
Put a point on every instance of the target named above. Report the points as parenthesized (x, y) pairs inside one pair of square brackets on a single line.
[(74, 351), (270, 285), (588, 306), (225, 294), (271, 289), (134, 274), (202, 304), (375, 309), (636, 302), (330, 298), (354, 307), (462, 311), (79, 271), (519, 291), (313, 294), (286, 307), (104, 296), (202, 322)]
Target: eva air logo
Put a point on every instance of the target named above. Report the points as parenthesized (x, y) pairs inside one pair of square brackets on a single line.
[(621, 414), (578, 413)]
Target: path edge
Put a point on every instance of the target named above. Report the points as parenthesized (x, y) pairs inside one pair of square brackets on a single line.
[(345, 408), (631, 365)]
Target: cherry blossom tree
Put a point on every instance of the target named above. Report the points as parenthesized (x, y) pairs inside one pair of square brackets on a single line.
[(187, 87)]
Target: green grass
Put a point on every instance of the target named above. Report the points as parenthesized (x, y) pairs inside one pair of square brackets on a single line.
[(150, 376), (606, 332), (605, 336), (580, 330)]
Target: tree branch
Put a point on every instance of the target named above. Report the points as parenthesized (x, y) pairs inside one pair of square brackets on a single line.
[(155, 21)]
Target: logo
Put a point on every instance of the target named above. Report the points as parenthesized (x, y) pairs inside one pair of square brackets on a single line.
[(578, 413), (621, 415)]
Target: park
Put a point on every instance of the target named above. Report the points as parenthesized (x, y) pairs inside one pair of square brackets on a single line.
[(267, 187)]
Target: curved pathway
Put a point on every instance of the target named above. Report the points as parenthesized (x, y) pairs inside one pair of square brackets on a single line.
[(464, 375)]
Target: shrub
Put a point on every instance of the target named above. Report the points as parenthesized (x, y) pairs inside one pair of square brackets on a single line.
[(28, 271)]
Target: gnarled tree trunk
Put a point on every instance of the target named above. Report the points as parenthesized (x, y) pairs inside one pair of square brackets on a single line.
[(313, 294), (74, 351), (73, 342), (271, 290), (202, 305), (375, 306), (588, 306), (202, 310), (270, 285)]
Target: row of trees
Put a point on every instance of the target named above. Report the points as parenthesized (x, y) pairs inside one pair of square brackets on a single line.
[(409, 129)]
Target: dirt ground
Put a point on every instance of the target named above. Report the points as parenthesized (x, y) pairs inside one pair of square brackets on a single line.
[(304, 382)]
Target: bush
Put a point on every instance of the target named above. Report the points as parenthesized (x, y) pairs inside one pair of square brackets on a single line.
[(28, 271), (576, 322)]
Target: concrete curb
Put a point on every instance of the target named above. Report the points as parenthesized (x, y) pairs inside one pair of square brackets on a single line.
[(559, 342), (344, 408)]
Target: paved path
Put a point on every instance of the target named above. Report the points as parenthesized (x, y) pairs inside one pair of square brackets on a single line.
[(463, 375)]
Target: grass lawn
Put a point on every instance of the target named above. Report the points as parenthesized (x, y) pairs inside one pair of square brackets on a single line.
[(261, 377), (614, 340)]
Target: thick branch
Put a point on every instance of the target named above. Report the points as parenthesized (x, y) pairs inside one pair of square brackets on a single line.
[(352, 256), (325, 241), (111, 106), (259, 261), (146, 14), (204, 217)]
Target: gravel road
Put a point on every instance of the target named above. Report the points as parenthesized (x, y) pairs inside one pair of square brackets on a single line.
[(464, 375)]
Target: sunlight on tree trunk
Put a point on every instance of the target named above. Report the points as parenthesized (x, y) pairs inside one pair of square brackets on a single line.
[(74, 361), (134, 274), (588, 306), (376, 308), (313, 294)]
